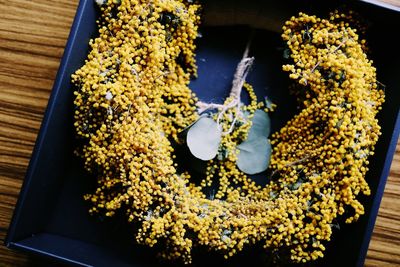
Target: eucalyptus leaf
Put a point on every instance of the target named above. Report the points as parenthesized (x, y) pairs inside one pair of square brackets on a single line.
[(190, 125), (335, 225), (261, 125), (204, 138), (268, 103), (222, 153), (273, 194), (296, 185), (246, 114), (100, 2), (286, 53), (254, 155)]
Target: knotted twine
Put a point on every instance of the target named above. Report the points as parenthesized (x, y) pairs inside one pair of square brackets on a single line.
[(239, 78)]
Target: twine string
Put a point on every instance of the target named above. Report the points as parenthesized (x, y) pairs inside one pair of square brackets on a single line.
[(239, 78)]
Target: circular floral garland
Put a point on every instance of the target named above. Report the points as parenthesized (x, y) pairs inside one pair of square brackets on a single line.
[(133, 99)]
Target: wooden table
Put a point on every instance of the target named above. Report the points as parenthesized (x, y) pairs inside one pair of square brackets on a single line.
[(32, 39)]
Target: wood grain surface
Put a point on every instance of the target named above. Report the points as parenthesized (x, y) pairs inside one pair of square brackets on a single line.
[(32, 39)]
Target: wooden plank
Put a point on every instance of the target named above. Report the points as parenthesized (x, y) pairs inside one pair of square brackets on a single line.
[(32, 39)]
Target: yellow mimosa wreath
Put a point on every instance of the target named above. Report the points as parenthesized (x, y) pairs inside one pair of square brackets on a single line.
[(133, 99)]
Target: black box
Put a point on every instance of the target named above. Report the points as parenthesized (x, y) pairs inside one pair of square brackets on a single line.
[(51, 218)]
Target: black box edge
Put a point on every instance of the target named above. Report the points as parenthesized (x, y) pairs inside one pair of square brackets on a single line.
[(9, 240)]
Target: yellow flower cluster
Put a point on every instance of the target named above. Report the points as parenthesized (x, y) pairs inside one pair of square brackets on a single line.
[(222, 172), (133, 99), (336, 130)]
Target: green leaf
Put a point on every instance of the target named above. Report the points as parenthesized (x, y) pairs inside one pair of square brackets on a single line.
[(268, 103), (246, 114), (273, 194), (222, 153), (204, 138), (254, 155), (335, 225), (261, 125), (190, 125), (286, 53), (101, 2), (296, 185)]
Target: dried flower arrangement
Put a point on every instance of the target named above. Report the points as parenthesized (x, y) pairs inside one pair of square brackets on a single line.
[(133, 100)]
